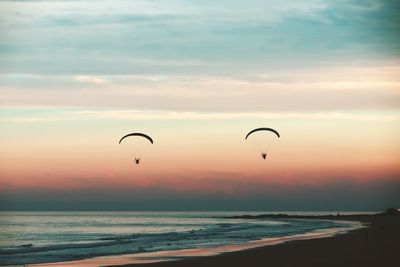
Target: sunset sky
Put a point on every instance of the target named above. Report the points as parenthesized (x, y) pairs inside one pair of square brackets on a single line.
[(75, 76)]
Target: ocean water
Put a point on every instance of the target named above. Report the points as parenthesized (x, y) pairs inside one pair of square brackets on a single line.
[(38, 237)]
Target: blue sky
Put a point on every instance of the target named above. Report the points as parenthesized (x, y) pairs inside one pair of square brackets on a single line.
[(192, 37)]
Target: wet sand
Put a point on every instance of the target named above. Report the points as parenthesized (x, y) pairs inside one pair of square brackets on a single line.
[(376, 245)]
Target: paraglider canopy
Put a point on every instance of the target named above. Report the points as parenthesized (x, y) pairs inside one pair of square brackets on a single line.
[(137, 134), (263, 129)]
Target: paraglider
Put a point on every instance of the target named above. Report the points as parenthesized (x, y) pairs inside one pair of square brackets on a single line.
[(263, 141), (140, 135), (263, 129)]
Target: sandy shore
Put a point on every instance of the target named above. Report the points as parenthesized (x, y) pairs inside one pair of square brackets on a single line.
[(376, 245)]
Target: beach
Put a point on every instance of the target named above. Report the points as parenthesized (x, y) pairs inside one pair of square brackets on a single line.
[(375, 245), (371, 241)]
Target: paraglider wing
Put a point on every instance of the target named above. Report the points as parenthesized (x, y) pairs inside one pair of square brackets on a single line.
[(263, 129), (137, 134)]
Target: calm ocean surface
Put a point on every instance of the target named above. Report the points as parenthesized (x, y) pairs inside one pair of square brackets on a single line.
[(34, 237)]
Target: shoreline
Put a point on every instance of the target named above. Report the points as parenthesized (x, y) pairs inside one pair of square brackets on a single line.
[(177, 256), (374, 245)]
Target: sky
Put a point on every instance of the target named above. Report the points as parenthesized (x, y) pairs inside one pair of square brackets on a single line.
[(75, 76)]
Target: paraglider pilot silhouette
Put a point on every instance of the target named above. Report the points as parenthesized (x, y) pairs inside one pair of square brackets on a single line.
[(137, 159), (263, 154)]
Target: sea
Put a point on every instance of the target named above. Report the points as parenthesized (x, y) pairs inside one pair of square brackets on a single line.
[(46, 237)]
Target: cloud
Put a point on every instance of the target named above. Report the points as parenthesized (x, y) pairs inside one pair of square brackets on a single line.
[(91, 79), (132, 115), (323, 89), (227, 36), (173, 115)]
